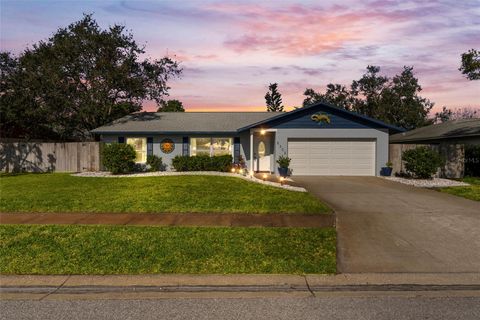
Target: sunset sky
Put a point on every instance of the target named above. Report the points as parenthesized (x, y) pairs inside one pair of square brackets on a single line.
[(232, 50)]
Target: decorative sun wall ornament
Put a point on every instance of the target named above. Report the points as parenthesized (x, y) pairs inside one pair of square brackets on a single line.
[(320, 117), (167, 146)]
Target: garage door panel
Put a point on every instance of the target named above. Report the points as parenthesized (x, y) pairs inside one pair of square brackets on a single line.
[(332, 157)]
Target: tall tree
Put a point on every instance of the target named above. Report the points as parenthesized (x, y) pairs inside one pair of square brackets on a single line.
[(395, 101), (336, 94), (171, 106), (370, 87), (79, 79), (455, 114), (400, 102), (273, 98), (471, 64), (443, 116)]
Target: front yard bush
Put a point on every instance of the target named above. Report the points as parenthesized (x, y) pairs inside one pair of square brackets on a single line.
[(422, 162), (155, 163), (202, 163), (119, 157)]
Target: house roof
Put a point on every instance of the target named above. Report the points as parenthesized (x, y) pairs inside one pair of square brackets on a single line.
[(447, 130), (216, 122), (326, 105), (179, 122)]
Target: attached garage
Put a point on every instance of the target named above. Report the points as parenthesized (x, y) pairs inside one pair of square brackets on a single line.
[(332, 157), (323, 140)]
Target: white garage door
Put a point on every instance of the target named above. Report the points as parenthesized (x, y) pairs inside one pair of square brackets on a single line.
[(332, 157)]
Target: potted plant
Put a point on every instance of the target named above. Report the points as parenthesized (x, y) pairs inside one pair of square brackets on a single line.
[(387, 170), (283, 163)]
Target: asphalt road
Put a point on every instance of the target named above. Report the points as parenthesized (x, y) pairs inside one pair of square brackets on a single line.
[(342, 307)]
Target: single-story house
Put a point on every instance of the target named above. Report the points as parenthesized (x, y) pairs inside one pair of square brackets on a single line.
[(449, 139), (321, 139)]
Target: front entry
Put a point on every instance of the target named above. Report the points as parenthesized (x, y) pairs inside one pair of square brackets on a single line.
[(262, 153)]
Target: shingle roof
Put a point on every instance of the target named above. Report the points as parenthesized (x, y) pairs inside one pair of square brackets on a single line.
[(193, 122), (446, 130)]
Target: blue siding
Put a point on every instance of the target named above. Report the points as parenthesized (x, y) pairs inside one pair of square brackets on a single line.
[(337, 121)]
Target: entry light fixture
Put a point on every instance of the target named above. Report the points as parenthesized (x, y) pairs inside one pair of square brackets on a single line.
[(262, 132)]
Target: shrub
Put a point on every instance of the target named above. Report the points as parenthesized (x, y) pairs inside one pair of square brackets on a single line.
[(283, 161), (202, 163), (472, 160), (119, 157), (422, 162), (155, 163)]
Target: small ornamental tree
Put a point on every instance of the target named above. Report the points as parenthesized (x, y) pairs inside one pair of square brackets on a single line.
[(422, 162), (119, 158)]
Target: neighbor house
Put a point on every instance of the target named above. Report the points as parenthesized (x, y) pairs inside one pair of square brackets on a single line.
[(321, 139), (451, 139)]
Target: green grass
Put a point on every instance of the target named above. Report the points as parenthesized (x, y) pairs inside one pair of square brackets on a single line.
[(471, 192), (175, 194), (40, 249)]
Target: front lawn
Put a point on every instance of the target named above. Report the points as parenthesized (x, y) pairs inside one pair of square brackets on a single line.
[(471, 192), (173, 194), (37, 249)]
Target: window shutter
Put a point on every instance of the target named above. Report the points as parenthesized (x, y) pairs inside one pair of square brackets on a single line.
[(149, 146), (186, 146), (236, 149), (121, 139)]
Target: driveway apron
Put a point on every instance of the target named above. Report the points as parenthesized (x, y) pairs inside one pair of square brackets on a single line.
[(385, 226)]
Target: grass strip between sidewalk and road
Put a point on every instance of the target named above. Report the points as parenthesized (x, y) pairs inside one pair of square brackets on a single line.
[(170, 194), (53, 249)]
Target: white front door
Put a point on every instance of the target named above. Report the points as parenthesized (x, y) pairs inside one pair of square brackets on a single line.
[(332, 157), (263, 156)]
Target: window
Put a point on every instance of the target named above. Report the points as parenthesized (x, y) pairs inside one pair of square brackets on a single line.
[(140, 146), (200, 146), (211, 146), (221, 146)]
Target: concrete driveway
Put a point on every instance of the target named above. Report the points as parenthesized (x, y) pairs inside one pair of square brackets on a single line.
[(385, 226)]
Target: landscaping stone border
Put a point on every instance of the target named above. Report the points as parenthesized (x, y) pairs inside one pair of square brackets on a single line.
[(104, 174), (429, 183)]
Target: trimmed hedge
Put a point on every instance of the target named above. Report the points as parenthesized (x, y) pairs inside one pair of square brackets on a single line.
[(422, 162), (202, 163), (155, 163), (119, 157)]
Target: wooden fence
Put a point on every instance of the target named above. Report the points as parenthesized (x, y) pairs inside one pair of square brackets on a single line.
[(50, 156), (453, 154)]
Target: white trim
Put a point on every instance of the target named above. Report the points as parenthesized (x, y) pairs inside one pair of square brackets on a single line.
[(251, 152)]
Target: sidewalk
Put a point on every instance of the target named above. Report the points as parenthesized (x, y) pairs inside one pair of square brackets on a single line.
[(172, 219), (167, 286)]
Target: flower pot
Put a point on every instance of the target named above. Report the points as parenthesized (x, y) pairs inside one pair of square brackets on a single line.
[(386, 171), (283, 172)]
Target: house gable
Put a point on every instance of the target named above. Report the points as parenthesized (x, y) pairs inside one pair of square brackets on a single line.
[(322, 116)]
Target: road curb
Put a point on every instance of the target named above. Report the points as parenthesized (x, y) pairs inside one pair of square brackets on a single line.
[(239, 280)]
